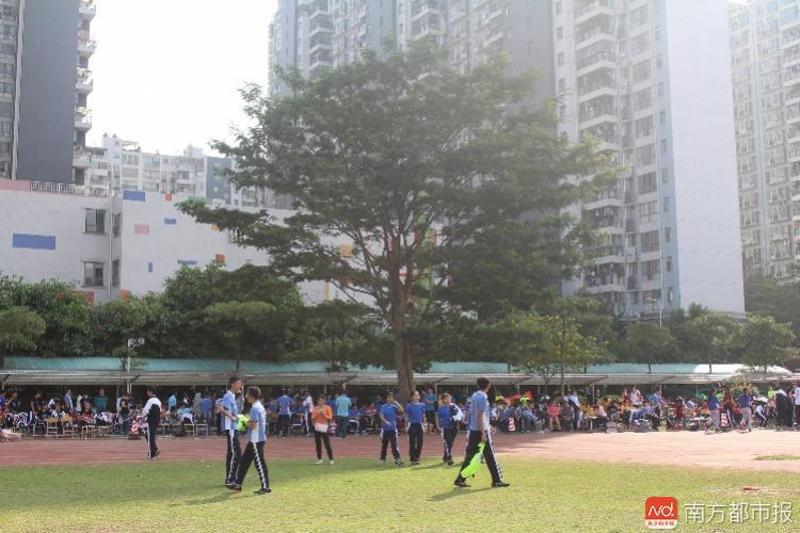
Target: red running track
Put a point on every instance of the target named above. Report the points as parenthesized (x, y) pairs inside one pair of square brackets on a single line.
[(116, 450)]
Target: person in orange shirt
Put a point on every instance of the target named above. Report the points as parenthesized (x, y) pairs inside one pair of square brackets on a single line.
[(321, 418)]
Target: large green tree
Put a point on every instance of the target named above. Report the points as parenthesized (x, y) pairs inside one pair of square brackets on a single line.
[(763, 341), (67, 315), (768, 296), (414, 164), (20, 330)]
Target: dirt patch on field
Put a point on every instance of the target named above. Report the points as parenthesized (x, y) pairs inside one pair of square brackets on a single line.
[(727, 450)]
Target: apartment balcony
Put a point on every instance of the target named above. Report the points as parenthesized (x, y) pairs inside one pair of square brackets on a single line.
[(598, 61), (86, 46), (425, 7), (85, 82), (319, 27), (590, 9), (496, 14), (594, 35), (83, 119), (81, 158), (87, 9), (494, 38)]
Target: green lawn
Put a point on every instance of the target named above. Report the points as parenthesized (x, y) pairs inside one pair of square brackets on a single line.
[(358, 495)]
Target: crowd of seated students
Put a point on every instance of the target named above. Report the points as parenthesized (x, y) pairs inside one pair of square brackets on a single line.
[(520, 413)]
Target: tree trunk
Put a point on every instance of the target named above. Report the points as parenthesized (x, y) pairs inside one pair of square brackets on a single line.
[(562, 376), (404, 361)]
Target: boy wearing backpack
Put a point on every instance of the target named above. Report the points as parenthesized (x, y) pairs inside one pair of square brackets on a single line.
[(448, 416)]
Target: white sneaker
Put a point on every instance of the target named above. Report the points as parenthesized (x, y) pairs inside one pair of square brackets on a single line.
[(330, 462), (319, 462)]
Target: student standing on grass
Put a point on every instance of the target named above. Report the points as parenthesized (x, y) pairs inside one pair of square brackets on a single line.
[(284, 414), (229, 412), (447, 417), (151, 415), (479, 432), (416, 412), (321, 418), (388, 416), (256, 437)]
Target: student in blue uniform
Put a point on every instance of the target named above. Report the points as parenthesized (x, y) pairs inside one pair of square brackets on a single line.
[(229, 412), (480, 432), (416, 413), (448, 416), (256, 437), (388, 416)]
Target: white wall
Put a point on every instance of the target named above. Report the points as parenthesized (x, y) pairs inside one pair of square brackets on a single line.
[(49, 214), (703, 146)]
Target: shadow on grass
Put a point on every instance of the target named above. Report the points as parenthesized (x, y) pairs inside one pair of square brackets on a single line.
[(455, 493), (220, 498)]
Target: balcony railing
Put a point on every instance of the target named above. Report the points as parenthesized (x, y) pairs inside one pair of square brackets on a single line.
[(68, 188)]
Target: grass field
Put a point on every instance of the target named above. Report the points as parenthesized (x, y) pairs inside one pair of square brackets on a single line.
[(359, 495)]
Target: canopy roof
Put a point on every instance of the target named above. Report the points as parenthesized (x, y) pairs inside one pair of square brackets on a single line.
[(18, 370)]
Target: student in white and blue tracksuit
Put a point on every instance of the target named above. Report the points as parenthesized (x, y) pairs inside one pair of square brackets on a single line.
[(480, 432), (256, 437), (151, 416), (229, 410)]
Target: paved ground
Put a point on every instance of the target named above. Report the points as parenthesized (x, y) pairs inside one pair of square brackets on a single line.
[(728, 450)]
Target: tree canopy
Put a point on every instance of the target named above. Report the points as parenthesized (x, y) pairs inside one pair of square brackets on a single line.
[(426, 172)]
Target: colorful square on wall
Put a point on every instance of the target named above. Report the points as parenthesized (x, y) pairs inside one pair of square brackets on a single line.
[(85, 295), (134, 196), (219, 258), (33, 242), (187, 262), (171, 221), (141, 229), (150, 267), (168, 197)]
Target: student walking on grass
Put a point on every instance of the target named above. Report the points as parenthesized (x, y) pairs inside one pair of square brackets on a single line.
[(388, 416), (321, 418), (151, 417), (229, 411), (256, 437), (416, 412), (480, 433)]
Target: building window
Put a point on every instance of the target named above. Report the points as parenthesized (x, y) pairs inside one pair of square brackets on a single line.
[(670, 295), (667, 204), (668, 234), (558, 8), (562, 85), (560, 32), (115, 273), (662, 117), (117, 224), (93, 275), (665, 175), (669, 263), (560, 58), (95, 221)]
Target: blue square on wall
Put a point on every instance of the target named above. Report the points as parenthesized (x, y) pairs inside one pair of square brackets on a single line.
[(171, 221), (150, 267), (133, 196), (33, 242)]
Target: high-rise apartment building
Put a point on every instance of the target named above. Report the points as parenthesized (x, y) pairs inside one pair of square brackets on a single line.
[(314, 35), (765, 49), (45, 46), (650, 80)]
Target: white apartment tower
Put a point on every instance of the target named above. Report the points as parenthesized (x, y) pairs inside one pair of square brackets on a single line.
[(765, 48), (650, 80)]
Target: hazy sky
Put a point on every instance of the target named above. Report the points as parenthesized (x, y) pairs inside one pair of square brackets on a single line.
[(167, 72)]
